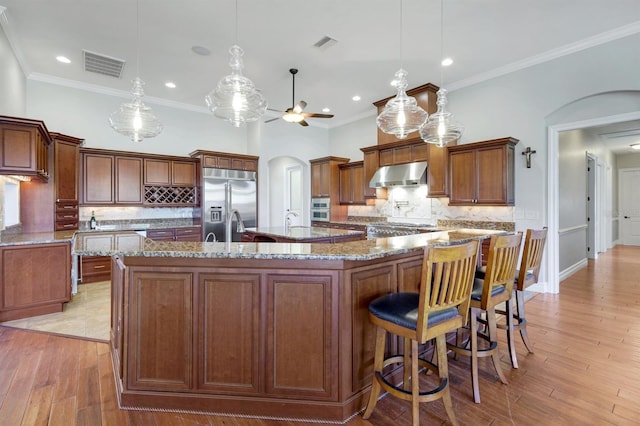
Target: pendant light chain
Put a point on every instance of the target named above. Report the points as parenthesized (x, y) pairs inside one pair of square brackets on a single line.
[(401, 37), (441, 42), (137, 38), (236, 21)]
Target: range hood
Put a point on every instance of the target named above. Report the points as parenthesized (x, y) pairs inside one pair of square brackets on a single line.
[(400, 175)]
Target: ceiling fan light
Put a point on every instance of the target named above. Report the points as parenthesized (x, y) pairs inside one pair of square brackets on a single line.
[(401, 115), (293, 117), (441, 128), (235, 98), (635, 146)]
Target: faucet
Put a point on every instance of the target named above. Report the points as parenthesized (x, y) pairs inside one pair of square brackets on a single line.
[(287, 220), (213, 238), (240, 227)]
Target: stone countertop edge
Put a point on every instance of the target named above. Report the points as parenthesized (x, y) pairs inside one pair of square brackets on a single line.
[(361, 250)]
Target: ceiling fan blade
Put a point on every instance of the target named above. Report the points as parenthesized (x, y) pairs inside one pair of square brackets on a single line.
[(273, 119), (315, 115), (276, 110), (303, 123)]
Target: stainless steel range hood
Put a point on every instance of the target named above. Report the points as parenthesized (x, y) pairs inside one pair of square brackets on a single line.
[(400, 175)]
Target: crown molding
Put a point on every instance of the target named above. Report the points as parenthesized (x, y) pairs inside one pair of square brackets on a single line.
[(568, 49)]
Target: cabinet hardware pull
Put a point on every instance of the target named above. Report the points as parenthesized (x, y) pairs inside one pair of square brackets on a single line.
[(99, 267)]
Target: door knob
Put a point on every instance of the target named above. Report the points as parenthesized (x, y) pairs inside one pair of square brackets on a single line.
[(626, 217)]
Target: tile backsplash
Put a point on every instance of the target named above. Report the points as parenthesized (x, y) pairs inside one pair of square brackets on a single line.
[(411, 203), (135, 213)]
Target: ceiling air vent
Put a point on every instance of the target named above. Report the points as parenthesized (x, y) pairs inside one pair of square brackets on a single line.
[(101, 64), (325, 42)]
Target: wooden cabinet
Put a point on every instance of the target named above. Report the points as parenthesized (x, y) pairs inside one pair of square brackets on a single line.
[(224, 160), (35, 279), (95, 268), (352, 183), (128, 180), (169, 173), (117, 308), (123, 178), (97, 178), (325, 177), (66, 175), (482, 173), (191, 233), (408, 152), (425, 96), (24, 147)]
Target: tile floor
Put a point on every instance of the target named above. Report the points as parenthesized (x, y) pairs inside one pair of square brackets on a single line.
[(88, 314)]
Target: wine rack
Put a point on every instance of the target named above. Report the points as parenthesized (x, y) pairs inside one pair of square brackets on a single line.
[(170, 195)]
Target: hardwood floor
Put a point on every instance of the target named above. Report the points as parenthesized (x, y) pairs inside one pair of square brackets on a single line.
[(585, 370)]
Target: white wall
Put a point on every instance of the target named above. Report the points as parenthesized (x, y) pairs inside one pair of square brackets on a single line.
[(12, 80)]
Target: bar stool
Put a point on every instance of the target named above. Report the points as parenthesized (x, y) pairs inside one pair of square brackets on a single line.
[(527, 274), (442, 305), (495, 288)]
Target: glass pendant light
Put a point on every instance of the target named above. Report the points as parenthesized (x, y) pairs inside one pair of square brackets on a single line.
[(235, 98), (134, 119), (441, 128), (401, 115)]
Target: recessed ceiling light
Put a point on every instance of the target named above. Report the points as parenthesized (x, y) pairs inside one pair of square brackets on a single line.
[(356, 98), (201, 50), (635, 146), (326, 109), (63, 59), (170, 84), (446, 62)]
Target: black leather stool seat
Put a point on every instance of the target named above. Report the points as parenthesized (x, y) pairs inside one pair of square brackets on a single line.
[(476, 293), (402, 309)]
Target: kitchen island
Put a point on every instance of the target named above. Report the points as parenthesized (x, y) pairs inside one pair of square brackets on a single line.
[(274, 330)]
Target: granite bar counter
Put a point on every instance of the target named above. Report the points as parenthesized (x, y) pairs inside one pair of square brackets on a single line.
[(273, 330), (301, 234)]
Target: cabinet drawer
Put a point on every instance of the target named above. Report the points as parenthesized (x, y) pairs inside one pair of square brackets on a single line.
[(67, 216), (188, 234), (66, 226), (160, 234), (95, 268)]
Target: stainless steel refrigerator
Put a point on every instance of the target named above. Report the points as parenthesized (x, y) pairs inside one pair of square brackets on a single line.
[(223, 191)]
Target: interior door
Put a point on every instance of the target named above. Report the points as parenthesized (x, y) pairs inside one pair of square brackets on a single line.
[(294, 195), (629, 200)]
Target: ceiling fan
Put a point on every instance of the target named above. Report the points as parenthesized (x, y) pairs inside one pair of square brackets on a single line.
[(296, 113)]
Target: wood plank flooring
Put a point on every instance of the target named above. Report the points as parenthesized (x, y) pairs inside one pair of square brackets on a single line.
[(585, 370)]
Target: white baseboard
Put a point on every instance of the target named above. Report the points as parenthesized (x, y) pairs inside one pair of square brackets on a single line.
[(573, 269)]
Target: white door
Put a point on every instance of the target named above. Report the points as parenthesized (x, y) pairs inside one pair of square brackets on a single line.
[(592, 223), (294, 195), (629, 201)]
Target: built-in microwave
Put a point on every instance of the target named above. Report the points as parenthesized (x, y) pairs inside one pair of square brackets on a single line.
[(321, 209)]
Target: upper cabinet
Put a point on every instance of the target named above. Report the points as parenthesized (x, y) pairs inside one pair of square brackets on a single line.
[(24, 147), (124, 178), (224, 160), (408, 152), (66, 169), (352, 183), (425, 96), (325, 178), (482, 173)]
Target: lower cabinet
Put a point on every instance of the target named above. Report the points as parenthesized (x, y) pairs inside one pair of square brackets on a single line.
[(191, 233), (95, 268), (35, 279)]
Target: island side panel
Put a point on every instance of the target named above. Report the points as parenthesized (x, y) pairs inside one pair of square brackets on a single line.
[(229, 332)]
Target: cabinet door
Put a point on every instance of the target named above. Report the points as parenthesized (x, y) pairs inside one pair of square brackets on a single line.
[(251, 165), (98, 179), (167, 234), (128, 180), (491, 176), (316, 180), (18, 149), (229, 331), (34, 276), (346, 188), (463, 177), (67, 164), (437, 171), (371, 164), (301, 305), (157, 172), (160, 354), (183, 173), (117, 309)]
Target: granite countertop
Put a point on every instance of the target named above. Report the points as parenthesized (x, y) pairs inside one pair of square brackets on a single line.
[(36, 238), (303, 232), (131, 244)]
